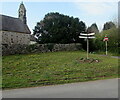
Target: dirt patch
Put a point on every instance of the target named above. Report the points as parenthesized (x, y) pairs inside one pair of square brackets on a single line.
[(90, 60)]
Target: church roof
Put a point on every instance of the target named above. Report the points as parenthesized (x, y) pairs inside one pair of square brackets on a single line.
[(8, 23)]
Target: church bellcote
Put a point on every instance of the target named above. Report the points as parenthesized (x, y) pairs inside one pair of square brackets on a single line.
[(22, 13)]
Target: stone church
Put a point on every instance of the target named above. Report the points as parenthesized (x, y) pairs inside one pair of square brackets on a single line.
[(15, 30)]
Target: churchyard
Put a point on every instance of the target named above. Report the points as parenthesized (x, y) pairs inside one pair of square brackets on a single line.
[(41, 69)]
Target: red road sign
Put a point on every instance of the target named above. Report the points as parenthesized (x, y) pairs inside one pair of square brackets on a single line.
[(105, 39)]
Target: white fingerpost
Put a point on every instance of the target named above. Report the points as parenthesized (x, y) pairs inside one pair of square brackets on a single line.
[(87, 48), (87, 36)]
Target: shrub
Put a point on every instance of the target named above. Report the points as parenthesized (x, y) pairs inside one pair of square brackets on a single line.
[(113, 43)]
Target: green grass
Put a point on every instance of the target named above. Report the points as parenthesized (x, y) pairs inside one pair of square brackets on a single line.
[(109, 53), (54, 68)]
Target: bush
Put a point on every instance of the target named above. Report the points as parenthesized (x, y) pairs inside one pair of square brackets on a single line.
[(99, 45)]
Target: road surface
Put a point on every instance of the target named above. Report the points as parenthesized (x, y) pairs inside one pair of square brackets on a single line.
[(92, 89)]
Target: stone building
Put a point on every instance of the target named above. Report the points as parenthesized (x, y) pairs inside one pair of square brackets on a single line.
[(15, 30)]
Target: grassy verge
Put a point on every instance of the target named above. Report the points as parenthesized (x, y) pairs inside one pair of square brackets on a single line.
[(109, 53), (54, 68)]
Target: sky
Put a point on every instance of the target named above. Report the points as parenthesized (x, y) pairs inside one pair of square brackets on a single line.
[(87, 11)]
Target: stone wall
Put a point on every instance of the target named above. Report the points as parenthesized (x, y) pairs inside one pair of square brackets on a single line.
[(38, 48), (11, 38)]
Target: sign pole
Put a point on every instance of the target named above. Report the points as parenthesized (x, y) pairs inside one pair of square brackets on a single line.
[(106, 40), (106, 47), (87, 47)]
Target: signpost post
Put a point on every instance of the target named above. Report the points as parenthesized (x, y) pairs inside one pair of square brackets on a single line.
[(105, 39), (87, 36)]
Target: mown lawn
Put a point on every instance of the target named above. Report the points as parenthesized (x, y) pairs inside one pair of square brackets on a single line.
[(54, 68)]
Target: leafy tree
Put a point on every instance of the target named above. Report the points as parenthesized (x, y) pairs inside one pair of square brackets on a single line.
[(59, 28), (109, 25), (93, 28)]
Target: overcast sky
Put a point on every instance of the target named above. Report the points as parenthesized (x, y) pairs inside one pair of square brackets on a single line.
[(89, 12)]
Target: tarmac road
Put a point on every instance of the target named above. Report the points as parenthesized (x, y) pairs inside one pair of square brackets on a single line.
[(92, 89)]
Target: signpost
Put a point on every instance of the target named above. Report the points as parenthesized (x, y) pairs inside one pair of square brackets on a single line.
[(105, 39), (87, 36)]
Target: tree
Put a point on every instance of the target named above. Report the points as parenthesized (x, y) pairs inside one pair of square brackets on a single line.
[(93, 28), (59, 28), (109, 25)]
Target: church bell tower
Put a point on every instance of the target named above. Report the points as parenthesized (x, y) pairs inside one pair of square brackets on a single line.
[(22, 13)]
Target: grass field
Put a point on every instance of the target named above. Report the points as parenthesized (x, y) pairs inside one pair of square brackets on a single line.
[(54, 68)]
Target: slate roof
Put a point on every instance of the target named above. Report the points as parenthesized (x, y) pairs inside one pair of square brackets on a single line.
[(12, 24)]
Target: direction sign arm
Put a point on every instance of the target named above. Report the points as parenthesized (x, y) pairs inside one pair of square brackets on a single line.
[(91, 37), (87, 34), (82, 37)]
